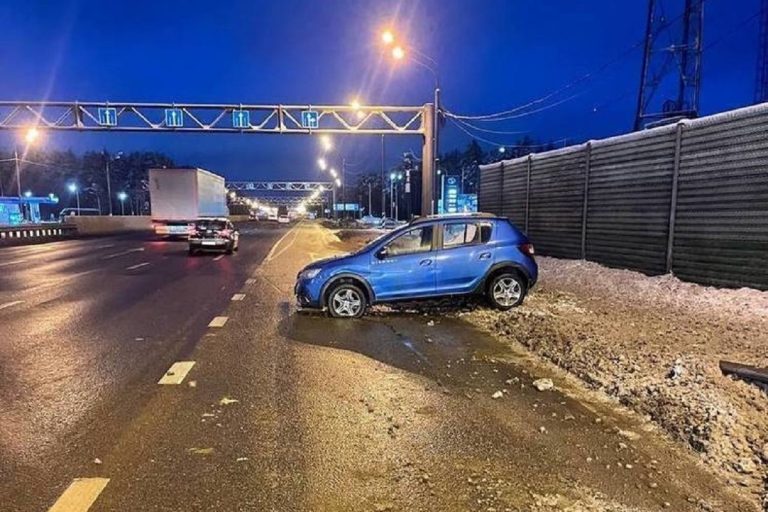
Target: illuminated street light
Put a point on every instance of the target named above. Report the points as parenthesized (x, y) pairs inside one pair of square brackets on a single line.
[(232, 195), (355, 104), (392, 176), (334, 173), (31, 135), (398, 53), (122, 196), (73, 188), (338, 182), (502, 149), (322, 163), (387, 37), (28, 194), (326, 142)]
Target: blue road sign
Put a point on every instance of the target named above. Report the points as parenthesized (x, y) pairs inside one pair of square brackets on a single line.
[(241, 119), (174, 118), (107, 116), (310, 119)]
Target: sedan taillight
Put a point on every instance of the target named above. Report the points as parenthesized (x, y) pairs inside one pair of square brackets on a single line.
[(527, 249)]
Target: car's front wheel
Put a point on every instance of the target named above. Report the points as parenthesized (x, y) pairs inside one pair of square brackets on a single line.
[(506, 291), (346, 301)]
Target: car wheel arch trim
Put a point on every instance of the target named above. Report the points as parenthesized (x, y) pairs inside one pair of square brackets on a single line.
[(500, 266), (346, 275)]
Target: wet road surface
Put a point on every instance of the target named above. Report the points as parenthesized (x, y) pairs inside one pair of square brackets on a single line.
[(292, 411)]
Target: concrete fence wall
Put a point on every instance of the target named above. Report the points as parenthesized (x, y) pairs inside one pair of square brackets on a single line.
[(689, 198)]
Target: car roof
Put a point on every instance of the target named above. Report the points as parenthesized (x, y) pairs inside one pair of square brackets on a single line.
[(455, 216)]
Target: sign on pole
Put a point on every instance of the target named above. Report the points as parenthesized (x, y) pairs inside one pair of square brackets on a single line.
[(310, 119), (241, 119), (174, 117), (107, 116)]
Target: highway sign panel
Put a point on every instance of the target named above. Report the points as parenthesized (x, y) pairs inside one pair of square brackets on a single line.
[(310, 119), (241, 119), (107, 116), (174, 117)]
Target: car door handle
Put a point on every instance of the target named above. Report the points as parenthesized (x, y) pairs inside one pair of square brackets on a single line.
[(425, 263), (485, 255)]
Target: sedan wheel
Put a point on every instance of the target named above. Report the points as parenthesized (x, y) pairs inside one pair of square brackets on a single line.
[(346, 301)]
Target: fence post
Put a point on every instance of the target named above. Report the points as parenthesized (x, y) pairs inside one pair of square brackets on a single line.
[(528, 194), (585, 204), (501, 189), (673, 199)]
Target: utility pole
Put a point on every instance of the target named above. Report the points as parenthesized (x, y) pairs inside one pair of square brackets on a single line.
[(383, 182), (18, 180), (370, 206), (109, 184)]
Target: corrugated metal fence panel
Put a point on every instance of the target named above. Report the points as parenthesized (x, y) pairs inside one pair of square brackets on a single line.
[(556, 199), (630, 183), (489, 197), (514, 191), (721, 228)]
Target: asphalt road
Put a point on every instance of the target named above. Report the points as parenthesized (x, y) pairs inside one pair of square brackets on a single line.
[(288, 411)]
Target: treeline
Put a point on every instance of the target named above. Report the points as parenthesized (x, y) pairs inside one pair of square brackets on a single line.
[(46, 172)]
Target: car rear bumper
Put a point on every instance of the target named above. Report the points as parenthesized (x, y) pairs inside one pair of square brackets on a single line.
[(219, 244)]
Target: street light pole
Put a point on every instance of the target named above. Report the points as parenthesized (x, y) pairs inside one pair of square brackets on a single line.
[(383, 181), (109, 184)]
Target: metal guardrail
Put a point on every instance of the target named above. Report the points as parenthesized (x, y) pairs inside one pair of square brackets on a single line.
[(14, 234)]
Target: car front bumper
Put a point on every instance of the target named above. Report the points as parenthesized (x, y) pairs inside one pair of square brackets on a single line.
[(307, 293)]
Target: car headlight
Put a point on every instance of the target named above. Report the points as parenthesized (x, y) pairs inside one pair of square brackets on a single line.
[(309, 274)]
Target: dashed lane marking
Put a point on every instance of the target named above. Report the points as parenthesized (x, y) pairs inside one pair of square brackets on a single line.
[(105, 246), (218, 321), (11, 304), (250, 280), (123, 253), (217, 258), (177, 372), (134, 267), (80, 495), (238, 296), (14, 262)]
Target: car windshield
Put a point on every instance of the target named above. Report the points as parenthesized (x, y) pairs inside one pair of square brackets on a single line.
[(387, 234)]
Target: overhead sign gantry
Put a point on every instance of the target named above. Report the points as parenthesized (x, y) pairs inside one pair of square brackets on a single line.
[(231, 118)]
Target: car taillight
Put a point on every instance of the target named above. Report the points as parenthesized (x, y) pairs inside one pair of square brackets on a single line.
[(527, 249)]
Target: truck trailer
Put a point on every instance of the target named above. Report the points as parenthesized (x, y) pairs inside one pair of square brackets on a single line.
[(178, 197)]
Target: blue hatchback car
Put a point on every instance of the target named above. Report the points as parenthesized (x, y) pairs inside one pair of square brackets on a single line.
[(438, 256)]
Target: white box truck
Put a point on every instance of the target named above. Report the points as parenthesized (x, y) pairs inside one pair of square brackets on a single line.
[(178, 197)]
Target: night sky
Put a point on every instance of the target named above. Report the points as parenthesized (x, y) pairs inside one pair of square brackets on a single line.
[(493, 55)]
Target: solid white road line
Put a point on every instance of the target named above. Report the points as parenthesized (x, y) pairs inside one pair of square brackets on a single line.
[(238, 296), (218, 321), (272, 254), (10, 304), (123, 253), (217, 258), (106, 246), (134, 267), (80, 495), (14, 262), (177, 372)]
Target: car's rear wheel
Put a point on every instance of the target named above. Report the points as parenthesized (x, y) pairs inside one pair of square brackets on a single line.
[(346, 301), (506, 291)]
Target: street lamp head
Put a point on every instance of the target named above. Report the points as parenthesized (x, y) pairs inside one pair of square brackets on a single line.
[(398, 53), (355, 104), (322, 164), (502, 149), (338, 182), (392, 176), (28, 193), (72, 187), (31, 135), (326, 142), (333, 172), (387, 37), (122, 196), (232, 195), (400, 176)]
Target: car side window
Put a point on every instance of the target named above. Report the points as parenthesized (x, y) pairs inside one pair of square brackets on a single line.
[(410, 242), (463, 233)]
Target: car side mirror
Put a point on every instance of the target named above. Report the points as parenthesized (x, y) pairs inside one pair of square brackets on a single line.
[(382, 253)]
